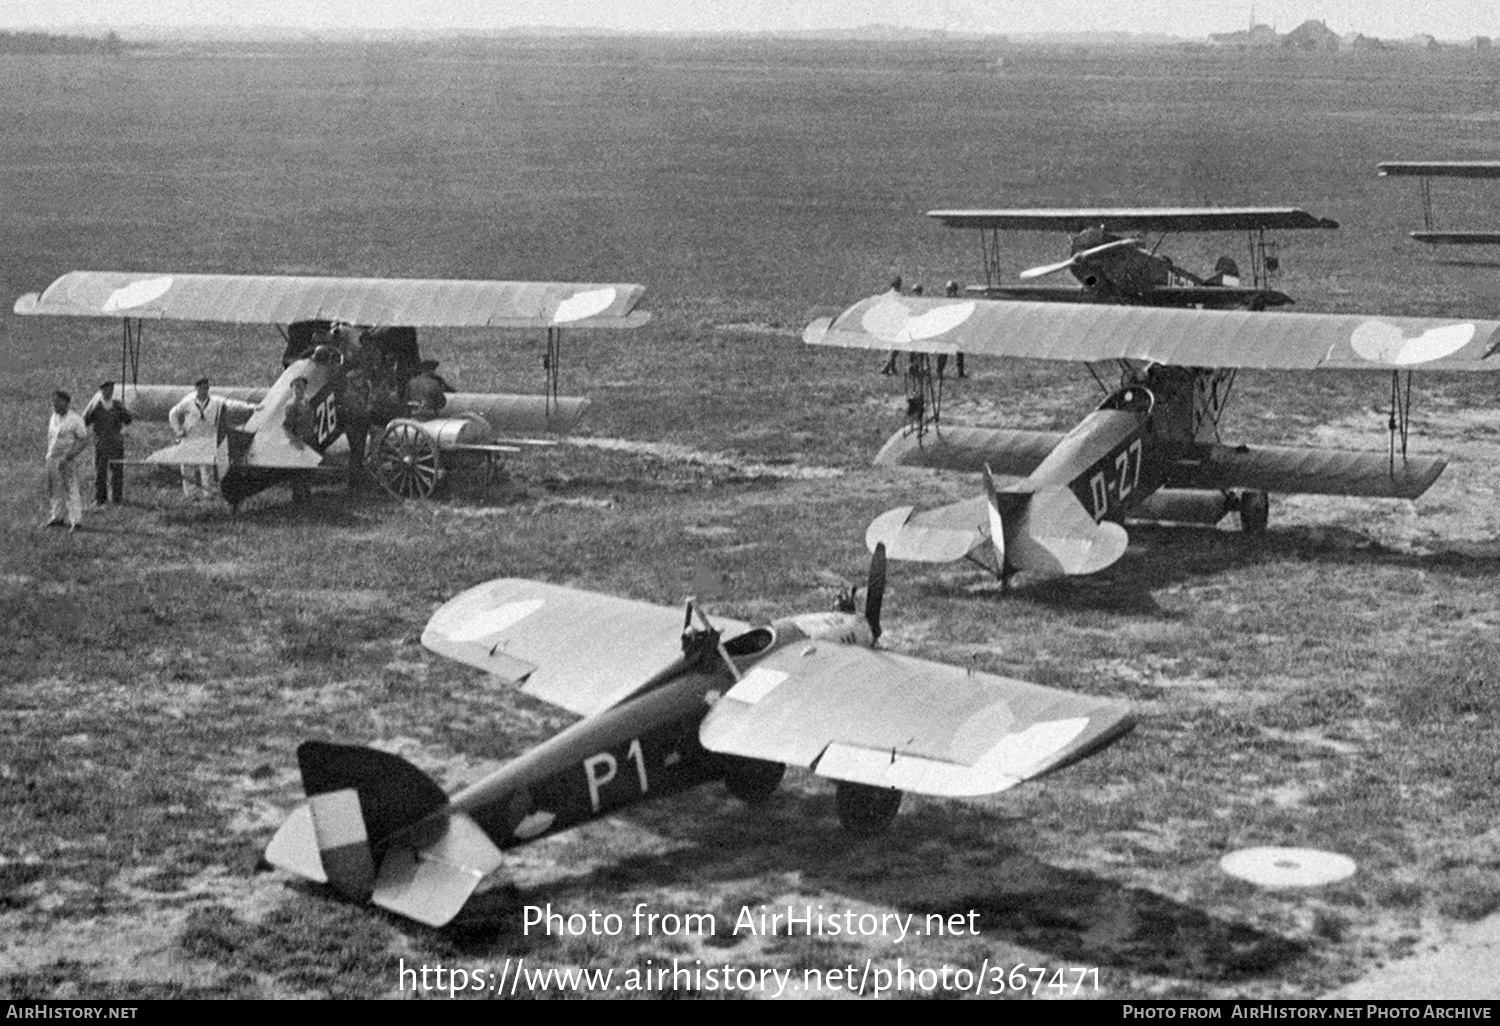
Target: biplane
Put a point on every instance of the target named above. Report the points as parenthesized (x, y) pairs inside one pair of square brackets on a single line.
[(329, 325), (671, 700), (1152, 449), (1427, 170), (1112, 263)]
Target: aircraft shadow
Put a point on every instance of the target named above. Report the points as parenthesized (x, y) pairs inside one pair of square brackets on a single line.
[(940, 859)]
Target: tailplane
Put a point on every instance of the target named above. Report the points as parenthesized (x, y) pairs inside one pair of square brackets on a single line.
[(378, 829)]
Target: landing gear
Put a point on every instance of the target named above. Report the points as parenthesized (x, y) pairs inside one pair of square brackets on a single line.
[(752, 781), (407, 463), (863, 809), (1255, 512)]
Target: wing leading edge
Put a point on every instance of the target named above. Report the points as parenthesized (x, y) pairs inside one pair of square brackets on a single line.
[(888, 720), (1148, 219), (1088, 333), (285, 299), (527, 632)]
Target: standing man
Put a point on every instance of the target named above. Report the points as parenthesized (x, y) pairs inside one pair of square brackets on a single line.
[(302, 426), (67, 437), (354, 412), (107, 416), (196, 416)]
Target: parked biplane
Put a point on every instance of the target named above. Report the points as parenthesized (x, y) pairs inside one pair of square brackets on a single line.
[(1426, 170), (1112, 265), (671, 700), (1152, 449), (377, 320)]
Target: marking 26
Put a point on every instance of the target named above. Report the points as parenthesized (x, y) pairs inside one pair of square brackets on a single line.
[(327, 414)]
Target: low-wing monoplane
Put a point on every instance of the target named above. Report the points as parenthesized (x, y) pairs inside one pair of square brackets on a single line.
[(1112, 263), (1151, 450), (671, 700), (1429, 169), (329, 324)]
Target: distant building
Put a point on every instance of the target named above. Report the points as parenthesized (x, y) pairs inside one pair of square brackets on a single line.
[(1360, 43), (1482, 43), (1311, 35), (1255, 35), (1421, 41)]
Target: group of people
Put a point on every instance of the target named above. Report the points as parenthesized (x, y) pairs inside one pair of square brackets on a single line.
[(950, 291), (69, 435)]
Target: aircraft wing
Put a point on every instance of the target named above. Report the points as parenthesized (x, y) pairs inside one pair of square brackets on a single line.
[(1185, 338), (1291, 471), (1457, 238), (1129, 219), (528, 633), (284, 299), (1441, 168), (889, 720), (1008, 452)]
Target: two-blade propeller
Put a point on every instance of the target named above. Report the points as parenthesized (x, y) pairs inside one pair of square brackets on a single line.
[(1078, 259)]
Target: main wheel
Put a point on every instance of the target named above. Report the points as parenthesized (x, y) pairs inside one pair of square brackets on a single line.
[(864, 809), (407, 461), (1255, 512), (752, 781)]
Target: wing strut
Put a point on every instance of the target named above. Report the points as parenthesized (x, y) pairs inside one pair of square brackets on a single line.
[(551, 365), (1400, 419), (130, 353)]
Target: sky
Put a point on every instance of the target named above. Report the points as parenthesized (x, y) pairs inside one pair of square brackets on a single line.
[(1190, 19)]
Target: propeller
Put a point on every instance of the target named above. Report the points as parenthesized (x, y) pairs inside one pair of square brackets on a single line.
[(1077, 259), (875, 591)]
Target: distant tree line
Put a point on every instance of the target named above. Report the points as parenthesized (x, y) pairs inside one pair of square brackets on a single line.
[(45, 42)]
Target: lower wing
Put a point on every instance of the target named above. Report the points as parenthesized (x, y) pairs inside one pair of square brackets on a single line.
[(1291, 471), (887, 720)]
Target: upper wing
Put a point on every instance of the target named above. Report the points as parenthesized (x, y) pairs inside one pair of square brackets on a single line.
[(1289, 471), (1457, 238), (1441, 168), (1184, 338), (892, 721), (282, 299), (575, 649), (1164, 219)]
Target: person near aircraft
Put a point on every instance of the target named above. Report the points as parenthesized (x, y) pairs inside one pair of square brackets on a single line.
[(196, 416), (67, 437), (951, 291), (890, 363), (107, 417), (354, 413), (425, 392), (302, 427)]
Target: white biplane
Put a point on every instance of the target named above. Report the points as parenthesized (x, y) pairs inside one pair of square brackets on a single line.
[(1152, 449), (408, 454)]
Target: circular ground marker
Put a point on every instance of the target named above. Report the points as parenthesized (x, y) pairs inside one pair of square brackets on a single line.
[(1287, 867)]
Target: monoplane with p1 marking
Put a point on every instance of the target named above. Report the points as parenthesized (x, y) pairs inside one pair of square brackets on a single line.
[(671, 700), (1152, 448), (328, 323)]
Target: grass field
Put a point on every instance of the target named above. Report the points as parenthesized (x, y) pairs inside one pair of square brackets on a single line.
[(1329, 685)]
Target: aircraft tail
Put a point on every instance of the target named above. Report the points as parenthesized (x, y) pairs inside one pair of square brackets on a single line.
[(1053, 535), (378, 829)]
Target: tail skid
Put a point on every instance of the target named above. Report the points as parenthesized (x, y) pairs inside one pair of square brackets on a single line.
[(378, 829)]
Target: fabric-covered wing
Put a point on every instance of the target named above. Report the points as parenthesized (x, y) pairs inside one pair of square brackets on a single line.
[(283, 299), (1006, 451), (1183, 338), (1441, 168), (575, 649), (1457, 238), (1291, 471), (893, 721), (938, 535), (1147, 219)]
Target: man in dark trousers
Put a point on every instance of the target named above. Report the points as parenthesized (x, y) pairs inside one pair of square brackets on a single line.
[(107, 416), (302, 425)]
